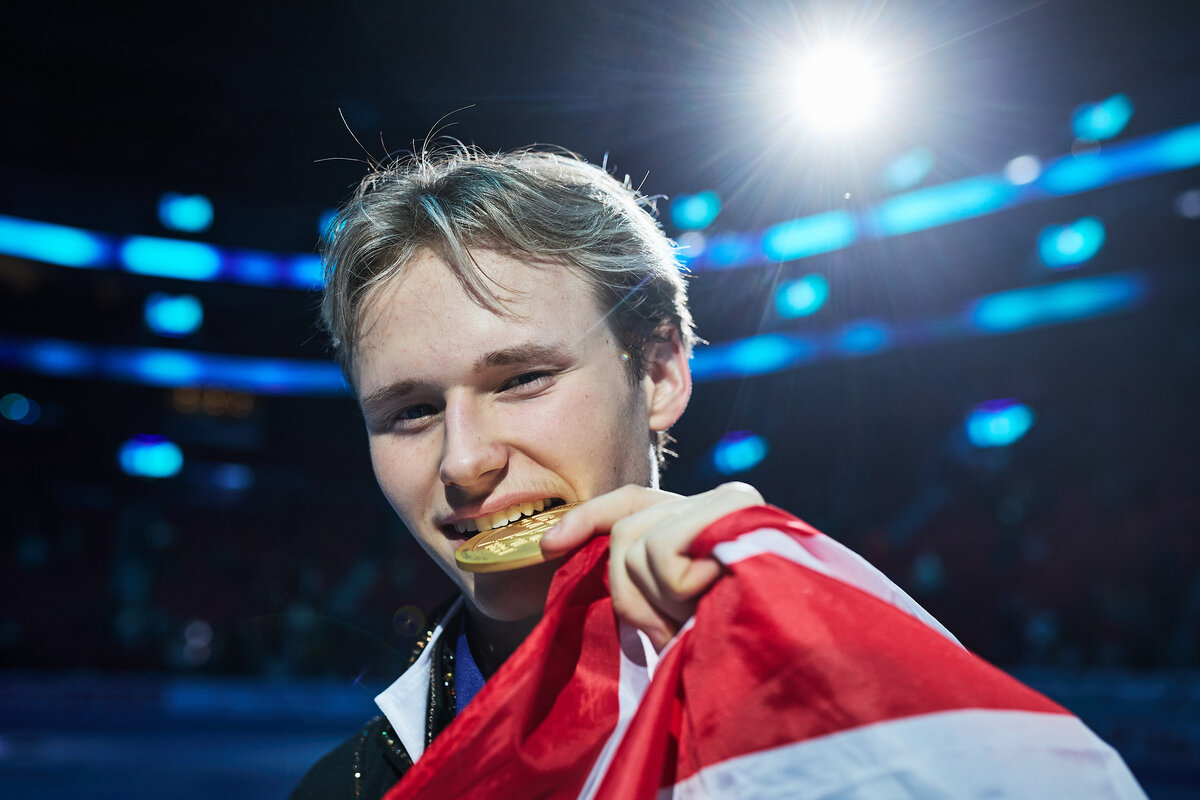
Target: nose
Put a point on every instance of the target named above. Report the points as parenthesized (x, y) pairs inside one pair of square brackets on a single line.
[(471, 453)]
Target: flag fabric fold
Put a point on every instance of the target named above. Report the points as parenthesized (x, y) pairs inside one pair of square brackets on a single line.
[(804, 673)]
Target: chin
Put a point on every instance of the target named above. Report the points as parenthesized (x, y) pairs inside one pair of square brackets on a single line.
[(512, 596)]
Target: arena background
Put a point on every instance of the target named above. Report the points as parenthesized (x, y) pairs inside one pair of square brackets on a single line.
[(961, 338)]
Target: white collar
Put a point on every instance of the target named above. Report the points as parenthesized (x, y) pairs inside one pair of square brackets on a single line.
[(406, 702)]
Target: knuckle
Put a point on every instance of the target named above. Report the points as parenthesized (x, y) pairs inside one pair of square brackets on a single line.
[(738, 489), (626, 535), (619, 530)]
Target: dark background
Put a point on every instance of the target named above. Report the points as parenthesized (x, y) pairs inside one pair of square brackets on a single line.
[(1068, 557)]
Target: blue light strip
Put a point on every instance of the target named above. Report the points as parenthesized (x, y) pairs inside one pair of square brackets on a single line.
[(934, 206), (808, 236), (156, 366), (1006, 312), (940, 205), (921, 209), (54, 244), (154, 255), (1003, 312), (1000, 313)]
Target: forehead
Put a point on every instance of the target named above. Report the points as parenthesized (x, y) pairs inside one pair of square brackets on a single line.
[(426, 314)]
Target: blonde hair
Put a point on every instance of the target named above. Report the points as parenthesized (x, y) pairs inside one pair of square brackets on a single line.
[(548, 207)]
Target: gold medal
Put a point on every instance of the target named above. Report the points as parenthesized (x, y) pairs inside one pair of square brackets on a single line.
[(513, 546)]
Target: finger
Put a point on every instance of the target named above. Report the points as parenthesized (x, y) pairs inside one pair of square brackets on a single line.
[(598, 515), (653, 547), (631, 588), (680, 580), (658, 563), (662, 602)]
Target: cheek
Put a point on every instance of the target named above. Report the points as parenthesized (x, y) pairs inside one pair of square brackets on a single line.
[(380, 464), (608, 427), (589, 419), (394, 472)]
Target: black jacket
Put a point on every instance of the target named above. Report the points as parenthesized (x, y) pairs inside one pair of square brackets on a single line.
[(369, 763)]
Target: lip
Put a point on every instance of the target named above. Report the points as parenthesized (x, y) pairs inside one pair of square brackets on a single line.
[(492, 505)]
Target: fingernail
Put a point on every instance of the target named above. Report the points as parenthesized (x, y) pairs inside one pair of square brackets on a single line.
[(551, 535)]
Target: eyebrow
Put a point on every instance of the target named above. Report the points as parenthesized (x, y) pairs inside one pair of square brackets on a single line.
[(530, 353), (384, 396)]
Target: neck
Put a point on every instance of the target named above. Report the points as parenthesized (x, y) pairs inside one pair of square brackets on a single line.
[(493, 641)]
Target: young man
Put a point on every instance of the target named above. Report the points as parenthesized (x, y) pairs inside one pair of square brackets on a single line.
[(516, 330)]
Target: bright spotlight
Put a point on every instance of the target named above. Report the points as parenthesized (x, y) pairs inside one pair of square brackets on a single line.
[(835, 88)]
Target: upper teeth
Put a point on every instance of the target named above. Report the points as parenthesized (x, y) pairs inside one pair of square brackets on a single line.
[(500, 518)]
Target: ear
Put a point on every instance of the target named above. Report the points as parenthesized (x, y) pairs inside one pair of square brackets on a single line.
[(667, 382)]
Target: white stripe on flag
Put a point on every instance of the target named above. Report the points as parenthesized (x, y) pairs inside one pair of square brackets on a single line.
[(974, 753), (638, 660), (828, 557)]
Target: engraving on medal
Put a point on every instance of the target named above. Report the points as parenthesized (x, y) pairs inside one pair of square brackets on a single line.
[(513, 546)]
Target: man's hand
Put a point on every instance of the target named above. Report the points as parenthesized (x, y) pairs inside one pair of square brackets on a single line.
[(655, 585)]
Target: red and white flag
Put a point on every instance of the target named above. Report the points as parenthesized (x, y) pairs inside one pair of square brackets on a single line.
[(804, 673)]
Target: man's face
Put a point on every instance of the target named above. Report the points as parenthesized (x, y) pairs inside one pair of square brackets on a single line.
[(474, 416)]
